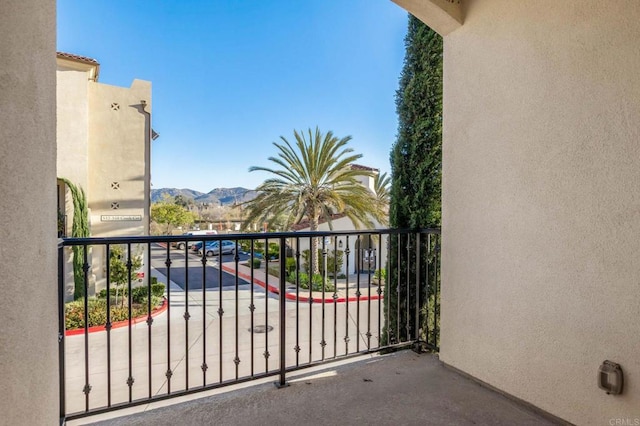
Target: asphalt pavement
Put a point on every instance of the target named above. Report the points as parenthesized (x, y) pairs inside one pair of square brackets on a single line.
[(189, 269)]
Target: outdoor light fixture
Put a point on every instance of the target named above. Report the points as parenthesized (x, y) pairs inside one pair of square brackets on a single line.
[(610, 378), (339, 244)]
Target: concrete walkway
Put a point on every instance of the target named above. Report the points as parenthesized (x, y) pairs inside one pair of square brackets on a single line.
[(403, 388)]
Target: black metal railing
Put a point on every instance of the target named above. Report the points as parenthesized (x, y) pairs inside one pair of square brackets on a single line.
[(236, 306)]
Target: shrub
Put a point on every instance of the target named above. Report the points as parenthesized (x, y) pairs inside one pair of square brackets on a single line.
[(139, 294), (245, 245), (335, 259), (316, 285), (274, 251), (97, 312), (290, 265), (380, 274), (256, 263), (157, 289)]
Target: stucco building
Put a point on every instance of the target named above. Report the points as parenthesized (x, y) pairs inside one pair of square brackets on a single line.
[(104, 145)]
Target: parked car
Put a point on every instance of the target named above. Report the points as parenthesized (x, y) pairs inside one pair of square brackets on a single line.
[(212, 248), (196, 246), (181, 244)]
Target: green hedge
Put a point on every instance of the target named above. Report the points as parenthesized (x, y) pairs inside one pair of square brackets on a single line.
[(74, 312), (316, 285)]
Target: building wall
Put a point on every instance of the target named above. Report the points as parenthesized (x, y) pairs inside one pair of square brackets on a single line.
[(117, 158), (541, 201), (118, 161), (72, 125), (28, 311), (103, 139), (345, 224)]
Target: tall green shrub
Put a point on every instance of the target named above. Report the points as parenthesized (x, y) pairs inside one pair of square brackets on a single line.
[(416, 163), (79, 229)]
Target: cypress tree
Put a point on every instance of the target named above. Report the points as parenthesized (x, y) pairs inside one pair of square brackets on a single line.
[(416, 164), (79, 229)]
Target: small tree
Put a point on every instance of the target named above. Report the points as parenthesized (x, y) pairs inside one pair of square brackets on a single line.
[(171, 215), (79, 229), (123, 267)]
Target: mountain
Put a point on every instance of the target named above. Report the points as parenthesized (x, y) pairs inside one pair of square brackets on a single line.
[(224, 196), (159, 194)]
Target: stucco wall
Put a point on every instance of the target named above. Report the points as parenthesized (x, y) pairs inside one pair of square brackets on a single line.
[(541, 201), (117, 147), (72, 125), (119, 166), (28, 271)]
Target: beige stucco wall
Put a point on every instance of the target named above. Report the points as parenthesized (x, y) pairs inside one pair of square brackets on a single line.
[(117, 148), (103, 138), (72, 124), (28, 270), (541, 201), (118, 153)]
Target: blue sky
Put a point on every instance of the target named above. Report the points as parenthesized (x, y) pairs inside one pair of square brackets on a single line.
[(230, 77)]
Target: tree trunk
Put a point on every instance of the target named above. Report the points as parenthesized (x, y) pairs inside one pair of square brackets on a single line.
[(315, 260)]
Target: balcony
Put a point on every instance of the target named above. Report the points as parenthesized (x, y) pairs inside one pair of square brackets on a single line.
[(228, 319)]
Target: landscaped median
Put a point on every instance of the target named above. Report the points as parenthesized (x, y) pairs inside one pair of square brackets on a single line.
[(119, 309), (344, 292)]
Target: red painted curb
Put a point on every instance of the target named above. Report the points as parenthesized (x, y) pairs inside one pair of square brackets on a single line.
[(118, 324), (291, 296)]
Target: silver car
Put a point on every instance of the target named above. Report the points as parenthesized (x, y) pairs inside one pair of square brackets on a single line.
[(212, 248)]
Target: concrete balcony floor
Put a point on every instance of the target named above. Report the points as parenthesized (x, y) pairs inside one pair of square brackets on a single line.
[(402, 388)]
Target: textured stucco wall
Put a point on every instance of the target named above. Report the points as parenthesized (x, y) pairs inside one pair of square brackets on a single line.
[(28, 269), (118, 134), (117, 147), (72, 124), (541, 201)]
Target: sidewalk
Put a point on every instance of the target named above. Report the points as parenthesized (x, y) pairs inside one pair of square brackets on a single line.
[(346, 290)]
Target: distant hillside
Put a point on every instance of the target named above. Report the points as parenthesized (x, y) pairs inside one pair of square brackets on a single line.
[(224, 196), (158, 194)]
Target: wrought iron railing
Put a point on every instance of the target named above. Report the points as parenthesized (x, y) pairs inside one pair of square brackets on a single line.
[(223, 318)]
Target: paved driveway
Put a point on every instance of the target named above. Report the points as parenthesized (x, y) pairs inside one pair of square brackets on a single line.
[(190, 269)]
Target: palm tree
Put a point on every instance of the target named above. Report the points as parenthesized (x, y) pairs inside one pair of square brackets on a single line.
[(313, 182), (381, 184)]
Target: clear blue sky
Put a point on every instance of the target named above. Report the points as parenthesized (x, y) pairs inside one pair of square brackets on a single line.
[(230, 77)]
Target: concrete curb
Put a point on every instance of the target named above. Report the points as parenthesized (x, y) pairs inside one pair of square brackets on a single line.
[(293, 296)]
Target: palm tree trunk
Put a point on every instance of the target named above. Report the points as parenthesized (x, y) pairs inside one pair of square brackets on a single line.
[(315, 259)]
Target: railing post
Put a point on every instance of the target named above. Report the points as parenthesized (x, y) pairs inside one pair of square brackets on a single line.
[(283, 313), (61, 330)]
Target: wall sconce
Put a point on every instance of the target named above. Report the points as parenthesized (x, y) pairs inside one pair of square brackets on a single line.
[(339, 244), (610, 378)]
